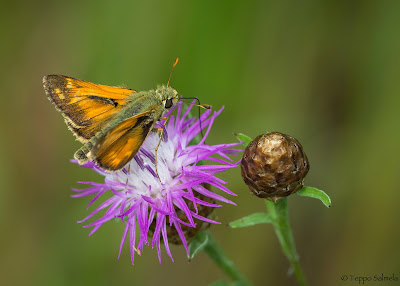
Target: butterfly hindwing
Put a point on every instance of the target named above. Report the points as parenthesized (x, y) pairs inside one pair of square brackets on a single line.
[(116, 147), (86, 106)]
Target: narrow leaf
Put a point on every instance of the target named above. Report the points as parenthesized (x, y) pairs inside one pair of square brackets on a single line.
[(316, 194), (198, 243), (252, 219), (244, 138)]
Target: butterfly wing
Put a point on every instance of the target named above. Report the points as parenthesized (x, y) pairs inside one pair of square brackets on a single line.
[(86, 106), (116, 147)]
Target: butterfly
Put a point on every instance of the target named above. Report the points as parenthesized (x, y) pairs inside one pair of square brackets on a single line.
[(111, 122)]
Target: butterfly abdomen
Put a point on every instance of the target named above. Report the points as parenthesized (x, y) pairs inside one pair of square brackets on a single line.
[(81, 154)]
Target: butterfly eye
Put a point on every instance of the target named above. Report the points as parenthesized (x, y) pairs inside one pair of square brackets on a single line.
[(168, 103)]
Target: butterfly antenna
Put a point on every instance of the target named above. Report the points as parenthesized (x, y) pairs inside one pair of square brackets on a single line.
[(205, 106), (169, 78)]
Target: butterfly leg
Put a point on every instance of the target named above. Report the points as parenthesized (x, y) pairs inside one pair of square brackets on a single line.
[(137, 250), (159, 142), (128, 170), (127, 177)]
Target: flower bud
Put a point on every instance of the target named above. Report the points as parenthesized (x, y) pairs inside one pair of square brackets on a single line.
[(274, 166)]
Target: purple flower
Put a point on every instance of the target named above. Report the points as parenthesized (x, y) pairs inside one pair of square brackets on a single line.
[(141, 198)]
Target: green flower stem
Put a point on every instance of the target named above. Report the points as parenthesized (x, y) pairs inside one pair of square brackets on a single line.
[(218, 256), (279, 213)]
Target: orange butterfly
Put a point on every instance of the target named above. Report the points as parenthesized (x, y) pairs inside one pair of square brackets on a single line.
[(111, 122)]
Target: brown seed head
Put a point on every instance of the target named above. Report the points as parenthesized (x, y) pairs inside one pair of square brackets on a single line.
[(274, 166)]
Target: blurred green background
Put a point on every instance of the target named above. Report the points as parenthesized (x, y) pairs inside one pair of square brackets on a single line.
[(325, 72)]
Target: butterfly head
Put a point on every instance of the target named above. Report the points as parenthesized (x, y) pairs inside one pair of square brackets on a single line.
[(168, 95)]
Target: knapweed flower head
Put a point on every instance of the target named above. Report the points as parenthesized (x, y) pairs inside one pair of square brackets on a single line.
[(170, 198)]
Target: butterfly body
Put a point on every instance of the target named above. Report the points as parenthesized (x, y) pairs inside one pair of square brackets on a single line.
[(111, 122)]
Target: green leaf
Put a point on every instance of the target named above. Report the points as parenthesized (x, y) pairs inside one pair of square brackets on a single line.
[(198, 243), (316, 194), (252, 219), (244, 138)]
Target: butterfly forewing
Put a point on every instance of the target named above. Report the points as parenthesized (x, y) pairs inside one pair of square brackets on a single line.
[(86, 106)]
